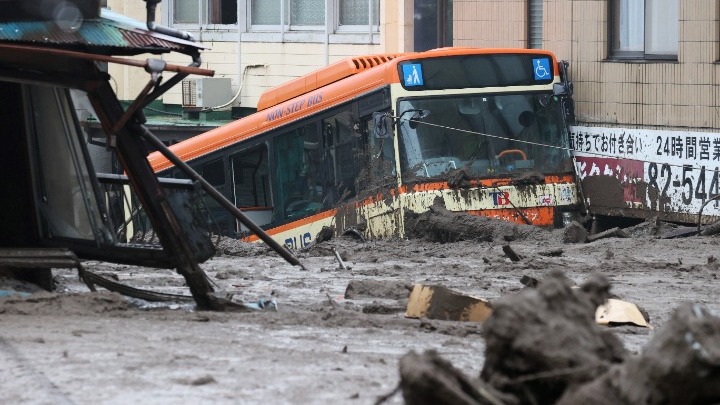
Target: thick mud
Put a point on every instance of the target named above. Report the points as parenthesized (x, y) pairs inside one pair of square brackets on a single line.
[(338, 335)]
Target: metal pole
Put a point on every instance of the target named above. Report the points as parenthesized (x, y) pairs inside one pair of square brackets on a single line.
[(217, 196), (327, 33), (282, 21), (370, 24)]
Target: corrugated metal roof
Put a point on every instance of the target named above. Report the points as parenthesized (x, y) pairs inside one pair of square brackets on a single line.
[(109, 31)]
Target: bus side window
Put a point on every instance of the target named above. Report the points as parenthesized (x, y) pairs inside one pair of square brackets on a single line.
[(214, 173), (298, 173), (251, 185)]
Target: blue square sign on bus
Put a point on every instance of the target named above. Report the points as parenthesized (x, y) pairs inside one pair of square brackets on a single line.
[(412, 74)]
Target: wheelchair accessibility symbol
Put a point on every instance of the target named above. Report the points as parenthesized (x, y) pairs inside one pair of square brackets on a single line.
[(541, 68)]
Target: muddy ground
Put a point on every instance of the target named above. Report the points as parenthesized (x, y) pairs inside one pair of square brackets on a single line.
[(78, 347)]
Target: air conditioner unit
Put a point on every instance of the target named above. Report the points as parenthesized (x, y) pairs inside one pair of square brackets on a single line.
[(206, 92)]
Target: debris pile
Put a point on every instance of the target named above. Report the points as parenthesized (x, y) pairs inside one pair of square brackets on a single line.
[(544, 340), (438, 224), (543, 346)]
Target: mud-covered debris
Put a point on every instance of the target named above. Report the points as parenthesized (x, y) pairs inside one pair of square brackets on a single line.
[(619, 312), (203, 380), (438, 302), (325, 234), (382, 309), (262, 305), (441, 225), (650, 228), (428, 379), (235, 247), (679, 365), (354, 233), (679, 232), (610, 233), (528, 281), (711, 229), (552, 252), (341, 264), (574, 232), (544, 340), (511, 254), (45, 303), (377, 289)]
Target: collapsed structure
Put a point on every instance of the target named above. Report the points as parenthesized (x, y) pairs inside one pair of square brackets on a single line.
[(55, 208)]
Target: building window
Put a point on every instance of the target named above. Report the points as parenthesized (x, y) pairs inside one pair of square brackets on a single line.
[(644, 29), (265, 12), (261, 18), (355, 12), (433, 24), (212, 11), (307, 12), (310, 14), (535, 17)]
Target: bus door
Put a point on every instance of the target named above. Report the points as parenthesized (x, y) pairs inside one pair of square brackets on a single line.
[(339, 152), (380, 176)]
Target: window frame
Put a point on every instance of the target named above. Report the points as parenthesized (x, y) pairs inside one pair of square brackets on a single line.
[(614, 31), (168, 20), (333, 32)]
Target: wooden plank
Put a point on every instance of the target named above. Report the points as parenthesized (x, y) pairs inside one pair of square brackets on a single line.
[(437, 302)]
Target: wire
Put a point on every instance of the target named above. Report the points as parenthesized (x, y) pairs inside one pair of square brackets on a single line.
[(240, 87), (566, 148)]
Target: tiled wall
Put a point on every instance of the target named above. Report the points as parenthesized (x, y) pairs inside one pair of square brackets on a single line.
[(682, 94), (491, 23)]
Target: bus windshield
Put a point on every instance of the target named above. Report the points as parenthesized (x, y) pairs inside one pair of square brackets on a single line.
[(486, 135)]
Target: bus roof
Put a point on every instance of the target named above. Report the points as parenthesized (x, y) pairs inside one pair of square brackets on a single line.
[(317, 91), (321, 78)]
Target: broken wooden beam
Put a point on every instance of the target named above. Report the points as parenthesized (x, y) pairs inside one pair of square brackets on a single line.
[(438, 302)]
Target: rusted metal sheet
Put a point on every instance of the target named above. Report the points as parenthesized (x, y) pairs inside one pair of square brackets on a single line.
[(108, 31)]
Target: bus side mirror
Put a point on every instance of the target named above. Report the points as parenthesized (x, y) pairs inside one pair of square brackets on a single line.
[(568, 110), (382, 124)]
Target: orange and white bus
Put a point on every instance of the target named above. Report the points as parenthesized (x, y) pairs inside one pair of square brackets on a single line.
[(361, 142)]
